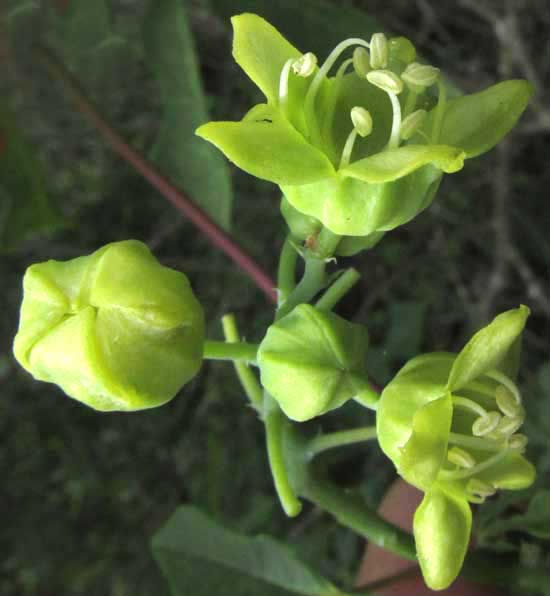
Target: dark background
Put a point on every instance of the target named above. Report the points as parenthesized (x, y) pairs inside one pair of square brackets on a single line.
[(83, 492)]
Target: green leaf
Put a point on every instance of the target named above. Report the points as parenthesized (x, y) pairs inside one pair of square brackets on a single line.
[(477, 122), (25, 207), (537, 518), (396, 163), (488, 347), (202, 558), (424, 453), (266, 146), (190, 163), (261, 51), (442, 525)]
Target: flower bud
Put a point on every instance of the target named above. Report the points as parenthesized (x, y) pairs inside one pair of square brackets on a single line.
[(386, 80), (361, 61), (305, 65), (419, 76), (378, 51), (362, 121), (115, 330), (313, 361), (402, 49)]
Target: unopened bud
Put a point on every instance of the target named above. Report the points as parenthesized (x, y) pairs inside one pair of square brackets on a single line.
[(362, 121), (305, 65), (412, 123), (378, 51), (419, 76), (361, 61), (402, 49), (386, 80)]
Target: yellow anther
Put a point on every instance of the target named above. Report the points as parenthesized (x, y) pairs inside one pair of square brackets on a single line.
[(419, 76), (386, 80), (361, 61), (305, 65), (518, 442), (378, 51), (402, 49), (362, 121), (506, 401), (485, 425), (508, 425), (461, 458)]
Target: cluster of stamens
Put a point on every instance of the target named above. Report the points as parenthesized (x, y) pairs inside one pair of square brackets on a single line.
[(370, 61), (493, 432)]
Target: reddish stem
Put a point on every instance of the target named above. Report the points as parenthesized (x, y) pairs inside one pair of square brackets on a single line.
[(178, 198)]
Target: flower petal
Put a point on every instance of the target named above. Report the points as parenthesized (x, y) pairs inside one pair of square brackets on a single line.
[(265, 145), (261, 51), (396, 163), (426, 450), (477, 122), (488, 347), (442, 526), (514, 472)]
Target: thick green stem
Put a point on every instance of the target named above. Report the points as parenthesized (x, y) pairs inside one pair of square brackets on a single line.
[(274, 421), (235, 350), (286, 276), (246, 377), (338, 289), (339, 439)]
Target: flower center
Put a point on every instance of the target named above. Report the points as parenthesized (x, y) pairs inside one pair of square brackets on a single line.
[(488, 419)]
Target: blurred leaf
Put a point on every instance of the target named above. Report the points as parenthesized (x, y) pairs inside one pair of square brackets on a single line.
[(190, 162), (406, 327), (200, 557), (25, 207)]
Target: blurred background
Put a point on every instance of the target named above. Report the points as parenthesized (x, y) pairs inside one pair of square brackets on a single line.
[(82, 492)]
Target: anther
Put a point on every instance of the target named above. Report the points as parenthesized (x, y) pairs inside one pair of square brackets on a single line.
[(361, 62), (305, 65), (478, 488), (386, 80), (362, 121), (461, 458), (378, 51), (506, 401), (518, 442), (508, 425), (419, 76), (486, 424), (402, 49), (412, 123)]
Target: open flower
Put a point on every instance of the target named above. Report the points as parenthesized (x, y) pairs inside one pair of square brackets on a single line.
[(115, 329), (450, 425), (362, 151)]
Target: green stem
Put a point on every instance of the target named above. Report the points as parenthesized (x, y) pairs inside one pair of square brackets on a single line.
[(368, 397), (338, 289), (274, 421), (311, 282), (286, 276), (340, 439), (234, 350), (246, 377), (439, 111)]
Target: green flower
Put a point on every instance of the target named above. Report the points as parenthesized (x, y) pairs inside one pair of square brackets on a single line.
[(362, 151), (313, 361), (449, 423), (115, 330)]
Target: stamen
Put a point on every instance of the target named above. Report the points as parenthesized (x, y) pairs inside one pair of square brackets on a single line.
[(402, 49), (348, 148), (420, 76), (412, 123), (362, 126), (309, 102), (518, 442), (461, 458), (508, 425), (478, 488), (485, 425), (378, 51), (304, 66), (388, 81), (506, 401), (481, 467), (506, 381), (478, 443), (469, 404), (331, 103), (283, 85), (361, 62)]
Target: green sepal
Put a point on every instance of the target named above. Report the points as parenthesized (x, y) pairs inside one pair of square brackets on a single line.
[(425, 452), (312, 361), (442, 525), (265, 145), (488, 348), (477, 122), (396, 163), (513, 472), (351, 207)]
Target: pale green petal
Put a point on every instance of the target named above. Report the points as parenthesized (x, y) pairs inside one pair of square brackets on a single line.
[(488, 347), (514, 472), (442, 525), (269, 148), (396, 163)]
